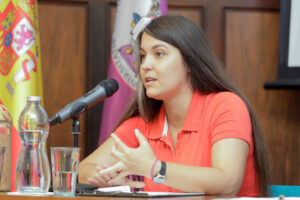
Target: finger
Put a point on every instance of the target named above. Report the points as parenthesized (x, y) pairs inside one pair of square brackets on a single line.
[(101, 181), (99, 168), (119, 143), (95, 182), (113, 169), (135, 184), (119, 179), (92, 181), (116, 154), (109, 175), (103, 178), (102, 166), (141, 138)]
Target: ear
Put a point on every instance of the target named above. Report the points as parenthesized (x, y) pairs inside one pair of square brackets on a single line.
[(188, 72), (188, 68)]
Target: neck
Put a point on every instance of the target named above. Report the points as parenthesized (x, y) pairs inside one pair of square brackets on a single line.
[(176, 108)]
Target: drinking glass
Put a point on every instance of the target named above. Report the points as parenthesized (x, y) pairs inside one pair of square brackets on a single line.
[(65, 162)]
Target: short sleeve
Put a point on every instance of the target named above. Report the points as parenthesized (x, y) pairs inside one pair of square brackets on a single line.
[(230, 118), (126, 131)]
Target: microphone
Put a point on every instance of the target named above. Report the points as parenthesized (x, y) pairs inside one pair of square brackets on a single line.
[(104, 89)]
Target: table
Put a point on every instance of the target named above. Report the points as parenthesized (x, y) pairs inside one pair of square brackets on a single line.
[(4, 196)]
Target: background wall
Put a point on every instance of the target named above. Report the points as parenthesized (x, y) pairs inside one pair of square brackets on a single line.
[(75, 44)]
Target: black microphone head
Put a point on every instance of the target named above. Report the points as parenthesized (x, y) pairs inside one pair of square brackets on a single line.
[(110, 86)]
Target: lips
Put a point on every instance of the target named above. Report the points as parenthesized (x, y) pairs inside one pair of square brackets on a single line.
[(149, 80)]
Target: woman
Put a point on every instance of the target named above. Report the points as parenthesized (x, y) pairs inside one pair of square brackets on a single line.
[(188, 129)]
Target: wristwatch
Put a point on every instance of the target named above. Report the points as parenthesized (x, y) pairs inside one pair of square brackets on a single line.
[(161, 176)]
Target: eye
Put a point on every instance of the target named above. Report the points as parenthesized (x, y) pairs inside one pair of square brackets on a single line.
[(159, 53), (142, 56)]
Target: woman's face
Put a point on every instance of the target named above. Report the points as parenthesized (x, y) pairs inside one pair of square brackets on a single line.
[(162, 69)]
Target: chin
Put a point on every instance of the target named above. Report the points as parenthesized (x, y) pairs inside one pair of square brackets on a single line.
[(154, 95)]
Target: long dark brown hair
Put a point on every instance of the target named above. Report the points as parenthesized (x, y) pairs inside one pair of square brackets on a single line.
[(206, 73)]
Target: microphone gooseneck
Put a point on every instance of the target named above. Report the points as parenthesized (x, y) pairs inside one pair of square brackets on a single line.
[(54, 120), (74, 109)]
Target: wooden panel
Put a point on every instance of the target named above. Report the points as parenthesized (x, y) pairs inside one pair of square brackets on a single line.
[(192, 9), (214, 18), (194, 14), (63, 33), (251, 53)]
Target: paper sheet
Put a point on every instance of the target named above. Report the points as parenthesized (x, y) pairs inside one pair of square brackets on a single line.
[(169, 194), (126, 189), (255, 198)]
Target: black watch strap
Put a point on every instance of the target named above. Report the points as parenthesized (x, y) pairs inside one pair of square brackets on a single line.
[(161, 177), (163, 168)]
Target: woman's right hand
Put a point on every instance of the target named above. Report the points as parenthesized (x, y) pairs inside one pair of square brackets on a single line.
[(102, 180)]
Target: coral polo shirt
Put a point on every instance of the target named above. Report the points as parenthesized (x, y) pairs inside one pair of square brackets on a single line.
[(210, 118)]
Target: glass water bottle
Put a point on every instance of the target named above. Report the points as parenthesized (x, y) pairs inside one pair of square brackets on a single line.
[(33, 171)]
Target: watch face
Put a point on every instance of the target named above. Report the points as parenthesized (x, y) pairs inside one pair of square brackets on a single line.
[(159, 179)]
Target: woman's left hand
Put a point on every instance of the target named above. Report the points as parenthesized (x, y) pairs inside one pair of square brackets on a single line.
[(136, 161)]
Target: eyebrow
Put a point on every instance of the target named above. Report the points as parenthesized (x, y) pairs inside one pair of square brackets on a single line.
[(155, 46)]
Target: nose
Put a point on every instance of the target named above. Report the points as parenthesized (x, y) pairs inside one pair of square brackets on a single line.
[(147, 63)]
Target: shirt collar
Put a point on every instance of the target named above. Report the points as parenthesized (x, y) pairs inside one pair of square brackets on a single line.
[(193, 118), (159, 126)]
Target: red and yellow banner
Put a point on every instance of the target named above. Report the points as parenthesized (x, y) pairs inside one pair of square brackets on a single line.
[(20, 62)]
